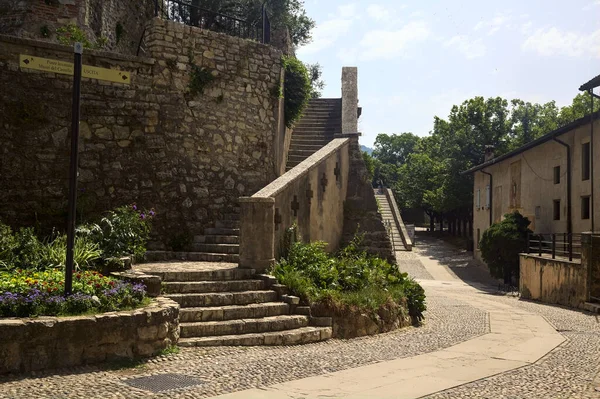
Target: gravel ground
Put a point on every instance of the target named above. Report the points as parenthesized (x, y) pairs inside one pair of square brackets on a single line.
[(567, 372), (224, 370)]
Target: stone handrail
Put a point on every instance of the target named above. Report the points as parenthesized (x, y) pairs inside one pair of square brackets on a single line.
[(311, 195), (398, 219)]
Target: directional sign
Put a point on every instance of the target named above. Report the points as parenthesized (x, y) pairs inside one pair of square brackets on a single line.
[(66, 68)]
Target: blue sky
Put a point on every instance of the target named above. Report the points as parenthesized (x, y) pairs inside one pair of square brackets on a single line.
[(416, 59)]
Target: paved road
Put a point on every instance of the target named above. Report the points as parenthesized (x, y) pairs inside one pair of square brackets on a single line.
[(463, 313)]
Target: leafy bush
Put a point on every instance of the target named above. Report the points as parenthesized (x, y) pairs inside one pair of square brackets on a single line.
[(31, 293), (122, 232), (297, 90), (200, 77), (502, 243), (350, 278)]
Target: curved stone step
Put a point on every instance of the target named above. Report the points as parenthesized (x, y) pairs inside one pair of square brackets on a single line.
[(223, 298), (161, 256), (234, 273), (205, 287), (298, 336), (243, 326), (233, 312), (217, 240), (218, 248), (222, 231)]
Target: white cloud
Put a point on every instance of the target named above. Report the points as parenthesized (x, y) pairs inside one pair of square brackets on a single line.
[(470, 48), (593, 4), (327, 33), (555, 42), (377, 12), (526, 28), (493, 25), (388, 44)]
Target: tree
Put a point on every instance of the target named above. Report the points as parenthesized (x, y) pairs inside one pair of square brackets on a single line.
[(315, 71), (394, 148), (502, 243), (579, 108)]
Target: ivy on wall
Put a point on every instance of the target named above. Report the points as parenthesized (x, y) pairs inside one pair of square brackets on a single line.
[(297, 89)]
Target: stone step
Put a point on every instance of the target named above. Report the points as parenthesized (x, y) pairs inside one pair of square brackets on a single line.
[(223, 298), (306, 147), (234, 273), (298, 336), (303, 153), (232, 216), (297, 158), (203, 287), (217, 239), (227, 224), (233, 312), (162, 256), (243, 326), (217, 248), (219, 231), (592, 307), (311, 139)]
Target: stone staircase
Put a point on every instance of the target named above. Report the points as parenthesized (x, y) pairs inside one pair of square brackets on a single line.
[(218, 244), (322, 120), (388, 219), (228, 306)]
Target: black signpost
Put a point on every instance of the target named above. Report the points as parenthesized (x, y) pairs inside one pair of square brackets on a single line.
[(72, 204)]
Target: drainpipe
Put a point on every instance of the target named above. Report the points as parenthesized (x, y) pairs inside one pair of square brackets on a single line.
[(569, 216), (491, 195), (592, 95)]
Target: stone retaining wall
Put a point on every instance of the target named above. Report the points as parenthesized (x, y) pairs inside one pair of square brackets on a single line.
[(56, 342), (153, 142), (556, 281)]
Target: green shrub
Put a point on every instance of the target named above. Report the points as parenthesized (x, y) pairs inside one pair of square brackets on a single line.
[(85, 252), (502, 243), (71, 34), (351, 278), (297, 90), (122, 232)]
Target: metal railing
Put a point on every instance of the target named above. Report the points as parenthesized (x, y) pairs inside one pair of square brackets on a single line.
[(555, 244), (190, 14)]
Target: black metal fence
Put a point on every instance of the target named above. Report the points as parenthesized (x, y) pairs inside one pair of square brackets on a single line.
[(193, 15), (555, 244)]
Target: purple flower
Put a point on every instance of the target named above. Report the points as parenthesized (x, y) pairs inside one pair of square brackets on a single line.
[(152, 213), (142, 216), (134, 206)]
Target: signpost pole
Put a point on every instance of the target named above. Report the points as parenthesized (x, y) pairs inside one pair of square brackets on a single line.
[(72, 204)]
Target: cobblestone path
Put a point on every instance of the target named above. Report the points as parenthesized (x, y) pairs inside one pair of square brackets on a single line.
[(567, 372)]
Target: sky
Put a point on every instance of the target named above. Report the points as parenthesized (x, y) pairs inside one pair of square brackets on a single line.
[(416, 59)]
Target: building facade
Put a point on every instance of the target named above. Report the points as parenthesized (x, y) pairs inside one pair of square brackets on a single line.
[(534, 180)]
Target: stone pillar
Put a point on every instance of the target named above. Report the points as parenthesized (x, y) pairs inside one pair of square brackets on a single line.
[(590, 259), (257, 233), (349, 100)]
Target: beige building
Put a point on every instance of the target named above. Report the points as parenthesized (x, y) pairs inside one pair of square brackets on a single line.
[(535, 181)]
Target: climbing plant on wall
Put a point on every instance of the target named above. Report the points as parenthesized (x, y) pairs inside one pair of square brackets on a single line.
[(297, 90)]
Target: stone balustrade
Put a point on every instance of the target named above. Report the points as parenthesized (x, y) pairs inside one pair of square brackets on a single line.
[(312, 195)]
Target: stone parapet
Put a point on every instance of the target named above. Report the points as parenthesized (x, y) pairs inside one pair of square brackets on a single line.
[(310, 195), (57, 342)]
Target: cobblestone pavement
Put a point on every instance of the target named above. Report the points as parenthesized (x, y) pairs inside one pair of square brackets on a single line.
[(567, 372)]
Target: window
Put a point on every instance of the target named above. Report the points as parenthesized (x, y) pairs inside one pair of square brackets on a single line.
[(556, 209), (585, 161), (538, 212), (557, 175), (478, 199), (488, 197), (478, 237), (585, 207)]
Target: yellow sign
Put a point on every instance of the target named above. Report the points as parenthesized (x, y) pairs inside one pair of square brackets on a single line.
[(66, 68)]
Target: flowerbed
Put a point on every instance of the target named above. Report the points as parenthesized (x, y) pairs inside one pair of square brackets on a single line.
[(26, 293), (351, 286)]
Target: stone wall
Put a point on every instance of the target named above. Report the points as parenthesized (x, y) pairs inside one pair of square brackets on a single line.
[(556, 281), (361, 215), (120, 22), (152, 142), (56, 342)]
